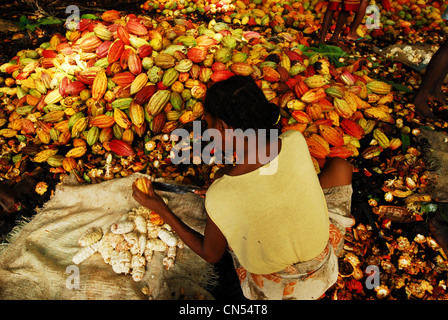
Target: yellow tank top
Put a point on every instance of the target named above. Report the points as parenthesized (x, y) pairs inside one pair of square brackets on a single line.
[(273, 219)]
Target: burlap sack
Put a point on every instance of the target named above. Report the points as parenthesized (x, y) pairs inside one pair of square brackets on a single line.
[(435, 155), (37, 261)]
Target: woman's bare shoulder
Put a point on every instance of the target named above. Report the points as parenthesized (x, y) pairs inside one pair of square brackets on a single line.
[(222, 171)]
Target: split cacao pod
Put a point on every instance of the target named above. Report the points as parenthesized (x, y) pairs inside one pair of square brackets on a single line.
[(141, 184)]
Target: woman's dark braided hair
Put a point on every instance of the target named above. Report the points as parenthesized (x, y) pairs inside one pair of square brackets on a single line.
[(241, 104)]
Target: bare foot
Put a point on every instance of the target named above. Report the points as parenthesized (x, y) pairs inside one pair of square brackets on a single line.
[(439, 229), (339, 44), (423, 109), (352, 36), (438, 96)]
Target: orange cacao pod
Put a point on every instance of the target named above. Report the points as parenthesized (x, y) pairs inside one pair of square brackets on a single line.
[(316, 149), (136, 28), (136, 114), (342, 108), (301, 116), (170, 126), (188, 116), (314, 111), (352, 128), (115, 51), (102, 121), (110, 15), (340, 152), (313, 95), (300, 88), (332, 135), (221, 75), (270, 74), (69, 164), (123, 79), (135, 63), (241, 68), (321, 140), (197, 55), (90, 44), (123, 34), (141, 184)]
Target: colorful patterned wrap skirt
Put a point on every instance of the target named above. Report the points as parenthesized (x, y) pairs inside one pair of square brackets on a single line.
[(310, 279), (346, 5)]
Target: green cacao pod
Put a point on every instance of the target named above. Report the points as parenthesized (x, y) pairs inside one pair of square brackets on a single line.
[(169, 77), (158, 102)]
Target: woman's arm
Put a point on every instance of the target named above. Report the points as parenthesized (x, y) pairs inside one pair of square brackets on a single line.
[(211, 246)]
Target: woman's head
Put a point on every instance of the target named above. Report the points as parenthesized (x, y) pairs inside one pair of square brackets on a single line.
[(240, 104)]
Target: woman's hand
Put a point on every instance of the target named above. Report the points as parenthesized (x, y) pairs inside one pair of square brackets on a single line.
[(202, 191), (151, 200), (211, 246)]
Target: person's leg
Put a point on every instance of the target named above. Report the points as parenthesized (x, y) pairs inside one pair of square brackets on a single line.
[(7, 198), (353, 35), (336, 172), (328, 17), (442, 61), (342, 18), (432, 80)]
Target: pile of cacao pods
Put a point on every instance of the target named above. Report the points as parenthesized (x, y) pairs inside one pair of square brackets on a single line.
[(402, 17), (114, 84), (101, 101)]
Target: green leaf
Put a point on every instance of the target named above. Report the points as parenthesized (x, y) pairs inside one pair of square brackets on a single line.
[(49, 20), (427, 128), (89, 16), (302, 48), (24, 20), (31, 27), (398, 86), (405, 142), (333, 53)]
